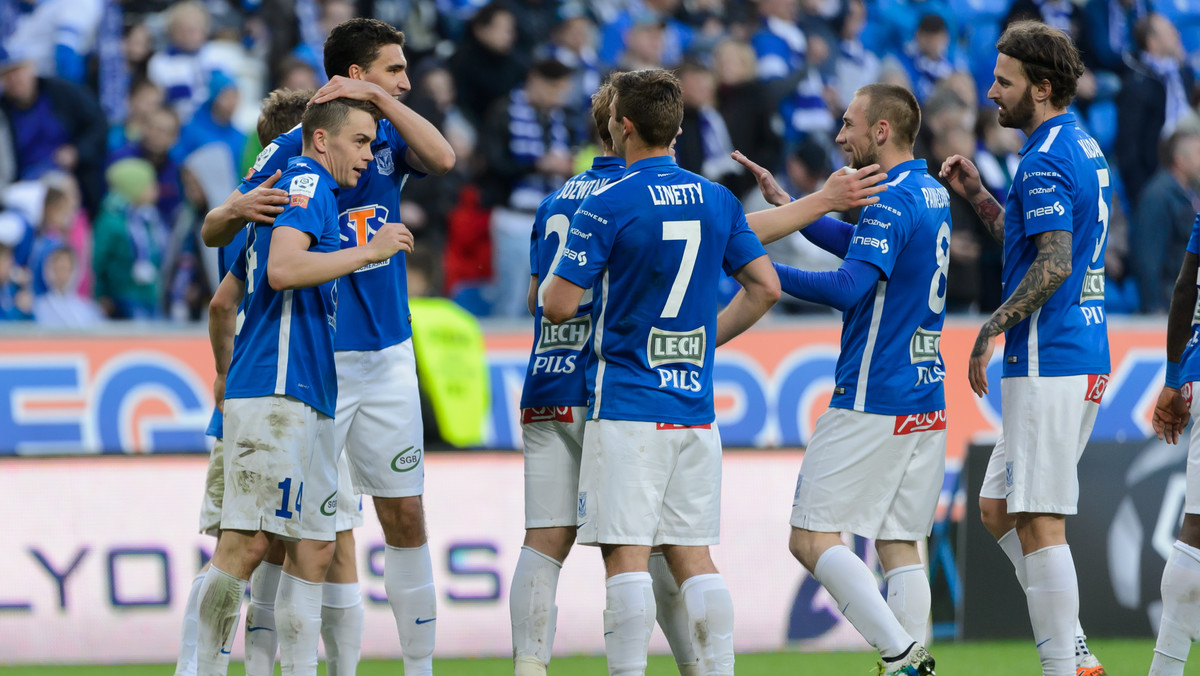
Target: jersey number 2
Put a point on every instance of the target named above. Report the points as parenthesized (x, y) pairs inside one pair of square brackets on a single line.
[(558, 225)]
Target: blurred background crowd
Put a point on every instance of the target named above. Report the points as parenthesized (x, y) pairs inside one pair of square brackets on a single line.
[(123, 121)]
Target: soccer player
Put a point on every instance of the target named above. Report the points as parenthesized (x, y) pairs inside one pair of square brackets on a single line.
[(875, 464), (650, 247), (281, 111), (281, 389), (553, 411), (1176, 404), (378, 410), (1054, 227)]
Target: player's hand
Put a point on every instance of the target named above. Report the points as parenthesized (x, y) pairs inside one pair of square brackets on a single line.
[(845, 191), (340, 87), (263, 203), (1171, 415), (981, 354), (962, 176), (389, 239), (770, 188), (219, 392)]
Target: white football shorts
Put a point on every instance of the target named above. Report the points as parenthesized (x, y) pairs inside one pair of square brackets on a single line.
[(1046, 425), (378, 420), (1191, 501), (644, 483), (280, 469), (553, 438), (349, 514), (878, 476)]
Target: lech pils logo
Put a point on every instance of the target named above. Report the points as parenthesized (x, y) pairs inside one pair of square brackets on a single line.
[(923, 346), (407, 460), (1093, 285), (570, 335), (675, 347)]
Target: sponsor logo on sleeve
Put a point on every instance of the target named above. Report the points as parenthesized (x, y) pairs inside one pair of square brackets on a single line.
[(302, 188), (876, 222), (920, 422), (579, 257), (873, 242), (263, 157), (1056, 208), (1041, 191)]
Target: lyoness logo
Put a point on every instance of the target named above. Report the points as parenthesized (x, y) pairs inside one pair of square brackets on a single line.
[(406, 460), (329, 507)]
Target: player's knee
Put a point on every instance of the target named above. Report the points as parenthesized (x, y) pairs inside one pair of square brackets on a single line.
[(403, 521), (995, 517), (553, 542), (799, 545)]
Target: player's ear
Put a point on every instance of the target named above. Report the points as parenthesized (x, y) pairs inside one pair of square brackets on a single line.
[(355, 72), (882, 131), (1041, 93), (320, 140)]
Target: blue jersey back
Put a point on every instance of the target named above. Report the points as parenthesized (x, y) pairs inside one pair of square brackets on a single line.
[(890, 363), (555, 375), (373, 303), (1062, 183), (651, 246), (285, 345), (1189, 368), (231, 259)]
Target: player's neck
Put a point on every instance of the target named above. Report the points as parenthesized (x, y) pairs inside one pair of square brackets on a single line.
[(633, 155), (1040, 116), (888, 159)]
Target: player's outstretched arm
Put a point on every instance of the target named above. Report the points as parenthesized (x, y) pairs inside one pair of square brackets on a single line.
[(561, 299), (963, 178), (842, 191), (1047, 272), (1171, 413), (531, 298), (292, 266), (760, 291), (428, 151), (222, 321), (260, 205)]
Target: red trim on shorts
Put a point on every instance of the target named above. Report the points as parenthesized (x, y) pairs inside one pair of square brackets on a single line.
[(547, 414), (1097, 384), (920, 422), (673, 426)]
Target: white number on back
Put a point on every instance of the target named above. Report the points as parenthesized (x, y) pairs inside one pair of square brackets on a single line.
[(689, 232), (557, 224), (1102, 180), (937, 286)]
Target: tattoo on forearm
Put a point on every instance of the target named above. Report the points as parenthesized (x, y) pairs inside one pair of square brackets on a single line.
[(1045, 275), (992, 215)]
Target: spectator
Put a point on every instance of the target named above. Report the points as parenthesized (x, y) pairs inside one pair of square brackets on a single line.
[(854, 65), (159, 137), (333, 12), (145, 98), (790, 62), (1162, 221), (1109, 31), (615, 34), (1065, 15), (1156, 94), (704, 146), (61, 306), (213, 123), (128, 243), (526, 146), (183, 68), (58, 35), (296, 75), (54, 124), (16, 300), (925, 56), (645, 45), (748, 111), (61, 207), (572, 44), (485, 66)]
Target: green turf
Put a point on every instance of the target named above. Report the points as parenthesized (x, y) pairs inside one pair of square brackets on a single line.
[(1121, 658)]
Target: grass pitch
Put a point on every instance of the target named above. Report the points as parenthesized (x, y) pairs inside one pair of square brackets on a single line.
[(1018, 658)]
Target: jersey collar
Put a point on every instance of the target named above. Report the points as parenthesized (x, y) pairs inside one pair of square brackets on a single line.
[(660, 161), (908, 165), (1035, 139), (317, 168), (605, 161)]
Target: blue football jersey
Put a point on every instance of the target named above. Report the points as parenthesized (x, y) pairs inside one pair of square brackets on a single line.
[(651, 247), (231, 261), (1189, 367), (1062, 183), (373, 303), (285, 345), (890, 363), (555, 375)]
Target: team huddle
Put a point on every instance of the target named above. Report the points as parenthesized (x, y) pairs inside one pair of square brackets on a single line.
[(312, 342)]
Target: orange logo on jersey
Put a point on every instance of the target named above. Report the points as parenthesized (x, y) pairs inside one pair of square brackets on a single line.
[(299, 201), (360, 224)]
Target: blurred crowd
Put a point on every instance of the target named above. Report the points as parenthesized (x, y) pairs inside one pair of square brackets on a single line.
[(123, 121)]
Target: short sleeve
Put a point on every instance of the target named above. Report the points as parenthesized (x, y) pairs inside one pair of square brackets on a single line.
[(589, 243), (306, 205), (1047, 193), (273, 157), (399, 151), (743, 245), (881, 232), (238, 267), (1193, 244)]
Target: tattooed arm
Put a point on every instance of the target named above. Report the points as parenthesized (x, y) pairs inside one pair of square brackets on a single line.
[(992, 215), (963, 178), (1047, 272)]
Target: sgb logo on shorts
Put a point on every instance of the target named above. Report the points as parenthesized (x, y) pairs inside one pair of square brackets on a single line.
[(406, 460), (920, 422)]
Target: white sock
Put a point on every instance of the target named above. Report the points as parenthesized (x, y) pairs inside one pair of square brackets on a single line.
[(909, 598), (531, 604), (298, 619), (342, 626), (408, 580), (1180, 623), (220, 606), (628, 620), (710, 614), (1010, 543), (854, 588), (672, 612), (261, 639), (1053, 596), (186, 665)]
